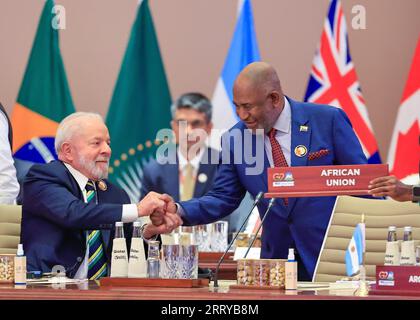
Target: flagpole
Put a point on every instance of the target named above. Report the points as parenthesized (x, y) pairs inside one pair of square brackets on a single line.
[(363, 290)]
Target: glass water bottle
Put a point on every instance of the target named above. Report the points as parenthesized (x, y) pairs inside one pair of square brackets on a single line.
[(153, 261)]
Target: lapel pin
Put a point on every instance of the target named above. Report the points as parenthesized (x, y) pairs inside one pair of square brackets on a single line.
[(303, 129), (301, 151), (102, 185), (202, 177)]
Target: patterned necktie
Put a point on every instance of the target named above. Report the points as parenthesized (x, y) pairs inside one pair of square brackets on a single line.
[(188, 183), (97, 267), (278, 156)]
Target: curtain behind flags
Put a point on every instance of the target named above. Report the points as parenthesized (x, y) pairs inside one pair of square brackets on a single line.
[(140, 105), (404, 151), (333, 79), (44, 96), (243, 50)]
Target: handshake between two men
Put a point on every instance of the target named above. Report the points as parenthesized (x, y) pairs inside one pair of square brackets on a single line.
[(162, 210)]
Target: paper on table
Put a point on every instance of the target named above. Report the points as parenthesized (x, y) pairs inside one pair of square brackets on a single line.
[(313, 285), (254, 253), (345, 284), (55, 280)]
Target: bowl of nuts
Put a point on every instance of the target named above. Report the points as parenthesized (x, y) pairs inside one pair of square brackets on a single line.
[(7, 272)]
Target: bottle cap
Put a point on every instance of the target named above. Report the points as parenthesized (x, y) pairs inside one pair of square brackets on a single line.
[(291, 256), (392, 228), (119, 224), (408, 228), (20, 250), (136, 224)]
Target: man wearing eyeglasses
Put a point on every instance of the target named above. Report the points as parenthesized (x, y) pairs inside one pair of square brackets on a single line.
[(192, 171)]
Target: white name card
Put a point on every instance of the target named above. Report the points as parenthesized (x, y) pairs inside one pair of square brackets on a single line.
[(254, 253)]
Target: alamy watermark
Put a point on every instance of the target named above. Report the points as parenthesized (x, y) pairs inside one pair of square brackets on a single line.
[(358, 21), (239, 146), (58, 22)]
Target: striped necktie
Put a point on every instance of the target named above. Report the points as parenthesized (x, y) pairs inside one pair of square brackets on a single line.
[(97, 267)]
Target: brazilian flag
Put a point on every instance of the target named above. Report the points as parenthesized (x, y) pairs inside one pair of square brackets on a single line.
[(44, 96), (140, 105)]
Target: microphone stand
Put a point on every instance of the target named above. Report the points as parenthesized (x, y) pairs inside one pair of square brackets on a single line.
[(216, 273), (270, 204)]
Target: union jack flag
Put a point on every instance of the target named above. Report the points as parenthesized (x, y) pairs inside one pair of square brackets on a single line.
[(333, 79)]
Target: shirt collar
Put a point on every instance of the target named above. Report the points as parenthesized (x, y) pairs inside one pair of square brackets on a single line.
[(283, 122), (195, 162), (78, 176)]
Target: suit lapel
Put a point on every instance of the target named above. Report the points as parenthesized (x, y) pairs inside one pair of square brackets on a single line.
[(301, 138), (260, 139), (106, 238), (205, 175)]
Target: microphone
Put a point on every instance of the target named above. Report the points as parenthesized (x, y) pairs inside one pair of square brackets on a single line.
[(216, 274), (270, 204)]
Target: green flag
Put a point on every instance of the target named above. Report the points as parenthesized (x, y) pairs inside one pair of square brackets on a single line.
[(44, 96), (140, 105)]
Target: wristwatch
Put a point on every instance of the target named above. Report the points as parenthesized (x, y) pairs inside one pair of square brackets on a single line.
[(416, 194)]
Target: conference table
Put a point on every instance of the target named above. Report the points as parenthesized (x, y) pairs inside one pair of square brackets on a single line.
[(91, 290)]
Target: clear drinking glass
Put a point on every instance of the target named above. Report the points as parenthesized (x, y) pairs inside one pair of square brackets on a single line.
[(185, 237), (188, 262), (202, 237), (219, 236), (170, 261)]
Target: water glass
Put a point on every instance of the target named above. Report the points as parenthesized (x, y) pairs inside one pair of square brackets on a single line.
[(170, 261), (219, 236), (202, 237), (188, 262)]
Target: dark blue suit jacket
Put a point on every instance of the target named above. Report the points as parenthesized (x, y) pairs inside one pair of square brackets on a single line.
[(164, 178), (54, 218), (302, 224)]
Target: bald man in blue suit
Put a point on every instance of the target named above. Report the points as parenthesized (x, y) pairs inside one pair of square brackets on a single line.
[(308, 135)]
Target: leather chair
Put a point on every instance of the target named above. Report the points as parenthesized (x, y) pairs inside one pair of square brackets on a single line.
[(10, 218), (379, 215)]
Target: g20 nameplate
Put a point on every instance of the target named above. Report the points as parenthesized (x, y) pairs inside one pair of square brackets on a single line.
[(322, 180)]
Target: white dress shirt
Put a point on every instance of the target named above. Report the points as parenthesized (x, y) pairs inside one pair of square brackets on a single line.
[(9, 186), (283, 134), (129, 214)]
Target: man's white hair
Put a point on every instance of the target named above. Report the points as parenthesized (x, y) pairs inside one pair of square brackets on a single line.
[(70, 125)]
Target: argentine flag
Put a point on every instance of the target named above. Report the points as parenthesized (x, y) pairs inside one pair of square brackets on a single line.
[(355, 249), (243, 50)]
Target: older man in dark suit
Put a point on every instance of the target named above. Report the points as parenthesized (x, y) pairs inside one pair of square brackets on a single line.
[(69, 208)]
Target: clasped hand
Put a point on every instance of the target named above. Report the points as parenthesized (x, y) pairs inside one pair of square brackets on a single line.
[(162, 210)]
